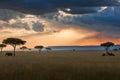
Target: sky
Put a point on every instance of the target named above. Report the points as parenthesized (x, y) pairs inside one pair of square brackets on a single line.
[(60, 22)]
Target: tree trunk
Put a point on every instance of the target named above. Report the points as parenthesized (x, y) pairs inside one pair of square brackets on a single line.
[(107, 52), (1, 50), (14, 50), (39, 51)]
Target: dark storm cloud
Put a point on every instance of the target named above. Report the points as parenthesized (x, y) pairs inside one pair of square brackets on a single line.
[(82, 10), (6, 14), (38, 27), (47, 6), (107, 21), (98, 20)]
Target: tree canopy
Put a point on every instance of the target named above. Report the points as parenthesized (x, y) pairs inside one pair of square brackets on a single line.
[(107, 44), (2, 46), (39, 47), (23, 47), (14, 41)]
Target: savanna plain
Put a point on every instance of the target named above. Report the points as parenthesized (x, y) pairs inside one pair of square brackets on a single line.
[(67, 65)]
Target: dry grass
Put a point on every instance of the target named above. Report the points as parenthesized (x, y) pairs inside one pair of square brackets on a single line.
[(87, 65)]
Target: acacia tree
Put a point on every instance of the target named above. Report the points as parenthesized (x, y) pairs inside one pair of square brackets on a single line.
[(2, 46), (14, 42), (23, 48), (48, 48), (40, 47), (107, 45)]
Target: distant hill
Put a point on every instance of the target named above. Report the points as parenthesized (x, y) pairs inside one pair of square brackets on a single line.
[(81, 47)]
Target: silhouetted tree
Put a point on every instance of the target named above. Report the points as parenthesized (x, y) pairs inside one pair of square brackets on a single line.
[(40, 47), (14, 42), (29, 49), (2, 46), (48, 48), (119, 49), (107, 45), (23, 48)]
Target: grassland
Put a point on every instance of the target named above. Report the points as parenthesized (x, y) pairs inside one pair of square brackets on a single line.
[(85, 65)]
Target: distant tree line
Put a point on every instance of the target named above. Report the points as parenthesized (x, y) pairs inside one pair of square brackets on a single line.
[(14, 42)]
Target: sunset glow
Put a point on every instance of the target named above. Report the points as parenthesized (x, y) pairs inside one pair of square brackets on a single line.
[(61, 25)]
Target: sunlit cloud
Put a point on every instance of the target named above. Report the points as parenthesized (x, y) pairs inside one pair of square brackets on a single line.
[(92, 26), (64, 37), (102, 8)]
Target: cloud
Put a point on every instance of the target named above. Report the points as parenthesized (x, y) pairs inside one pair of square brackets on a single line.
[(16, 20), (106, 20), (38, 27), (6, 14), (66, 26), (63, 37), (84, 10), (96, 39), (47, 6)]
